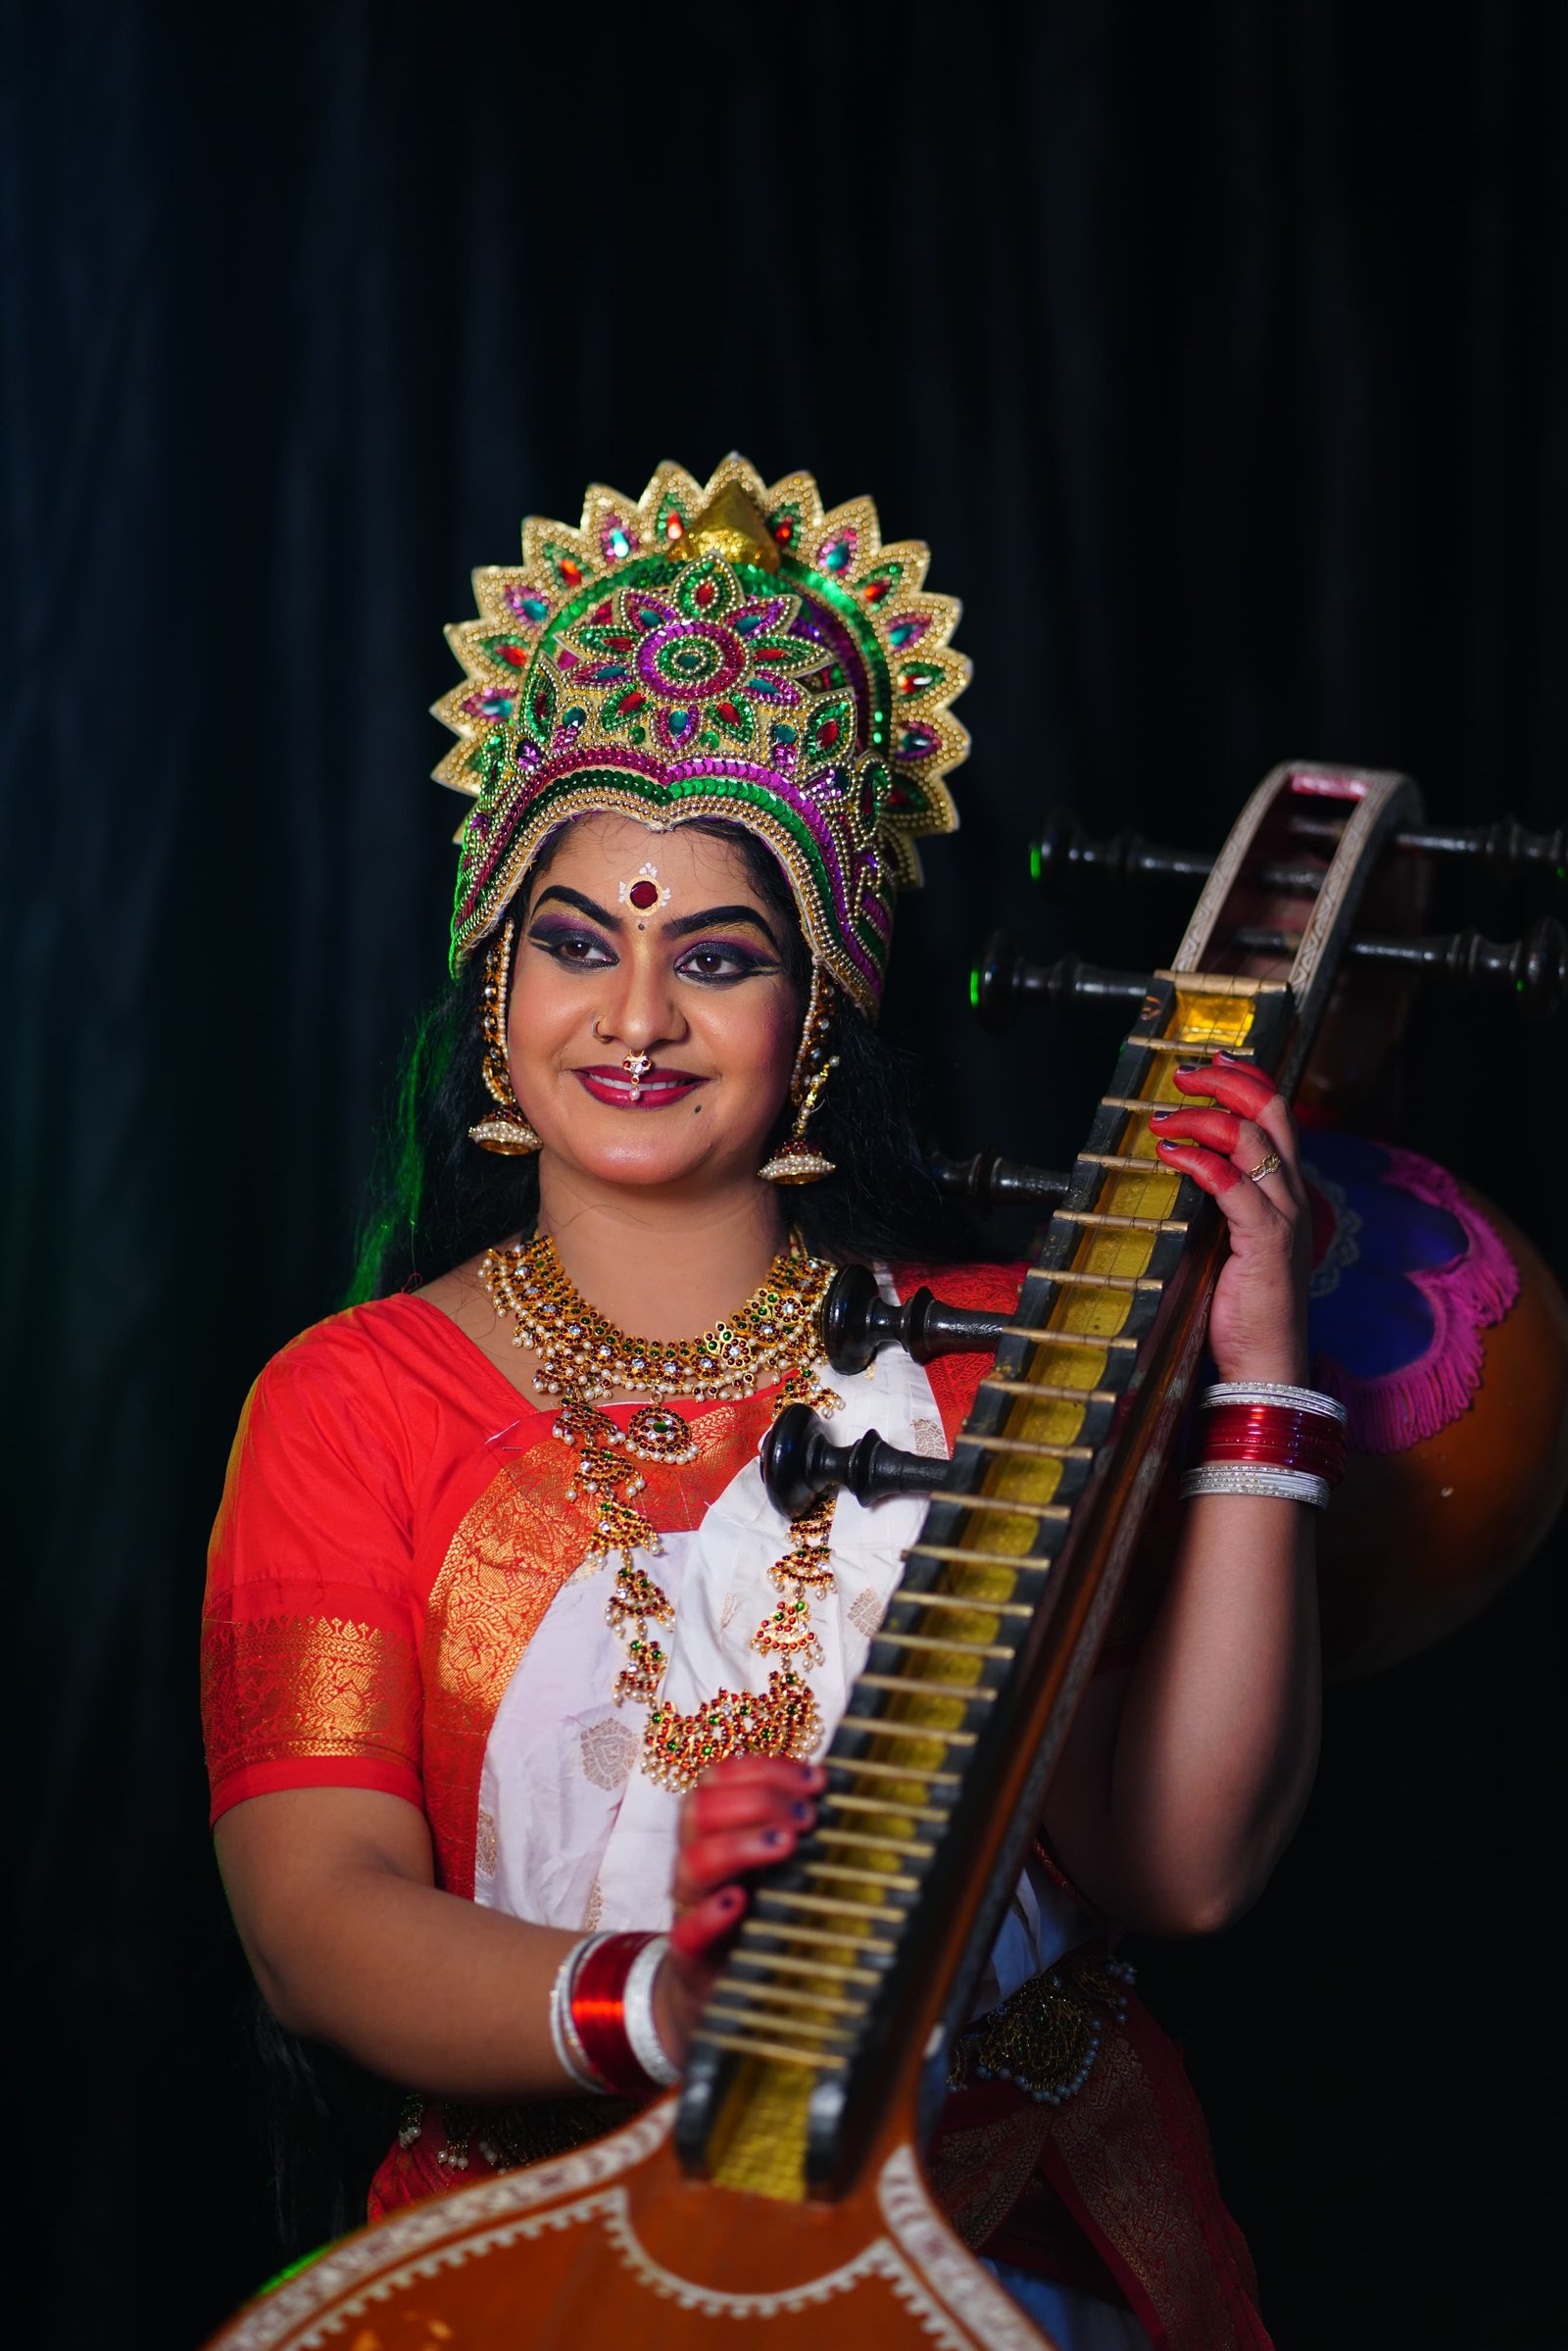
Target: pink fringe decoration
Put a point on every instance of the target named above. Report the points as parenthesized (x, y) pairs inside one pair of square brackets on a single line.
[(1403, 1407)]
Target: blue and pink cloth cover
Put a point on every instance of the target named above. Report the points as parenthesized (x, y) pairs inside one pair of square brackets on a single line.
[(1406, 1273)]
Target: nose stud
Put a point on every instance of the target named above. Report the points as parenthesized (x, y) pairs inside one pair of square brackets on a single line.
[(635, 1065)]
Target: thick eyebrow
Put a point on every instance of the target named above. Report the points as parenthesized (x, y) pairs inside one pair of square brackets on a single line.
[(684, 924), (584, 906)]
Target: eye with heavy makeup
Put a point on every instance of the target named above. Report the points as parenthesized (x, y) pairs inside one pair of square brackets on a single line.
[(711, 960)]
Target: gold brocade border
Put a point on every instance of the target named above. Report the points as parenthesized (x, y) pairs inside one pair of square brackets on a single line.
[(284, 1686), (512, 1551)]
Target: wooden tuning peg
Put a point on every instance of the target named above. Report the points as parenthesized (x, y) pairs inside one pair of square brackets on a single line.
[(1004, 980), (857, 1323), (991, 1182), (801, 1464)]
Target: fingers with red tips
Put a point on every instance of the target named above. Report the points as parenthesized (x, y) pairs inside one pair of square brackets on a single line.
[(714, 1804), (1221, 1130), (1209, 1171), (1235, 1085), (768, 1771), (698, 1931), (710, 1861)]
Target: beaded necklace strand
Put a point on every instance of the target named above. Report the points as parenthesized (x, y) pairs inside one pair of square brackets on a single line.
[(582, 1358)]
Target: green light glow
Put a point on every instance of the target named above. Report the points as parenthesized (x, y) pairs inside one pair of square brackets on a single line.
[(293, 2271)]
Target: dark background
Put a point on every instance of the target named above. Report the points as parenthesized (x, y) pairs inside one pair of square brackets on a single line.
[(1220, 354)]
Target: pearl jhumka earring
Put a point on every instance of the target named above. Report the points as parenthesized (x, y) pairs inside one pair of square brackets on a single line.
[(511, 1135), (797, 1161)]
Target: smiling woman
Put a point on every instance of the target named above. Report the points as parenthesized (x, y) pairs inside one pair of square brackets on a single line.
[(513, 1675), (690, 989)]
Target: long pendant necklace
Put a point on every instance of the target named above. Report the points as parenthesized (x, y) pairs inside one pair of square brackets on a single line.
[(583, 1358)]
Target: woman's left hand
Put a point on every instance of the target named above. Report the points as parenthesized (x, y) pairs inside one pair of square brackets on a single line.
[(740, 1816), (1257, 1316)]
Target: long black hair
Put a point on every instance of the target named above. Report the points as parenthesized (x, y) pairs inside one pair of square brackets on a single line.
[(441, 1199)]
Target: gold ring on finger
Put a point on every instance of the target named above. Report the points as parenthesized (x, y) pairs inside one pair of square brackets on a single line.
[(1269, 1164)]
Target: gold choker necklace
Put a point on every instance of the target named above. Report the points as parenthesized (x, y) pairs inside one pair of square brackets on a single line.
[(582, 1358)]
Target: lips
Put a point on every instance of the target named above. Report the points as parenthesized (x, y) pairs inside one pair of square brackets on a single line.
[(656, 1089)]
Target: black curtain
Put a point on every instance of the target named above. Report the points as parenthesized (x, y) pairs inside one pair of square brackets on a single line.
[(1220, 354)]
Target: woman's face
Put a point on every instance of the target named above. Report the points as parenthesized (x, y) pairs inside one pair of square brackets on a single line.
[(651, 1027)]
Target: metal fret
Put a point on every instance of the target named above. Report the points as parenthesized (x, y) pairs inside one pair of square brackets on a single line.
[(1222, 983), (1190, 1052), (887, 1771), (953, 1644), (885, 1881), (811, 1968), (1127, 1160), (958, 1599), (1000, 1501), (784, 2014), (888, 1805), (969, 1693), (882, 1914), (1091, 1281), (816, 2061), (916, 1850), (845, 1939), (1016, 1560), (1126, 1224), (1127, 1347), (880, 1726), (1028, 1445), (830, 2004), (1052, 1390)]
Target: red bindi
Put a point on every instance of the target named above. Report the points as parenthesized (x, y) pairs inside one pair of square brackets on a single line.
[(644, 894)]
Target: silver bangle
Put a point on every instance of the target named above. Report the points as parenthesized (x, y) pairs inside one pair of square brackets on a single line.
[(1256, 1476), (570, 2055), (1273, 1392), (637, 2010)]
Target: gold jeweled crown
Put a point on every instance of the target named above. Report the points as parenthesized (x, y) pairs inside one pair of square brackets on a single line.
[(727, 651)]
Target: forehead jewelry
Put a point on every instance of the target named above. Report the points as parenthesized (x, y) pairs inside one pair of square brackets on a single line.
[(643, 890)]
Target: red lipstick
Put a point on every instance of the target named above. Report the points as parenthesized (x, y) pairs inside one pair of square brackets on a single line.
[(652, 1089)]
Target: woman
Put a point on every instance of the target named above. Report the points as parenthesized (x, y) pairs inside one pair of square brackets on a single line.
[(495, 1580)]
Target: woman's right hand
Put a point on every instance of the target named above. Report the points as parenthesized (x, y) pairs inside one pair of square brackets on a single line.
[(740, 1816)]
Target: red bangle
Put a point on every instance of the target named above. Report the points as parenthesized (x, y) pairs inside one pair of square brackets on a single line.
[(1278, 1419), (598, 2015), (1274, 1435), (1322, 1464)]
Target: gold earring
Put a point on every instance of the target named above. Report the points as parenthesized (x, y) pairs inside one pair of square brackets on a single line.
[(797, 1161), (511, 1135)]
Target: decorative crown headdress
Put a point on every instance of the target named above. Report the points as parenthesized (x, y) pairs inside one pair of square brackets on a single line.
[(723, 650)]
